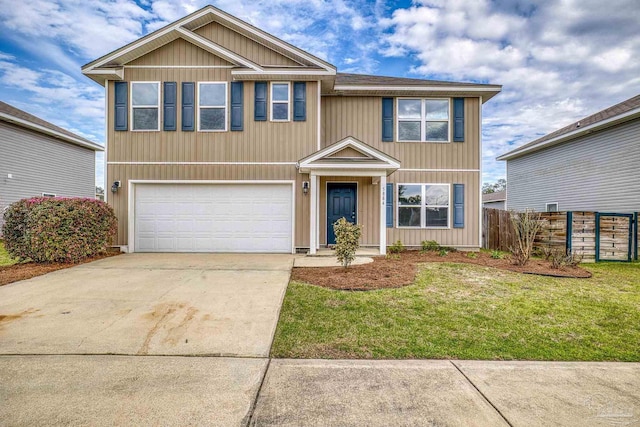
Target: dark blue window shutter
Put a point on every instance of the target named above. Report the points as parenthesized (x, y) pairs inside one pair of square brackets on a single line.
[(387, 119), (260, 111), (121, 93), (458, 119), (237, 108), (169, 112), (389, 205), (458, 205), (188, 106), (299, 101)]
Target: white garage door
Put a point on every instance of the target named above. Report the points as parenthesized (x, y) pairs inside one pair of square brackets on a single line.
[(213, 218)]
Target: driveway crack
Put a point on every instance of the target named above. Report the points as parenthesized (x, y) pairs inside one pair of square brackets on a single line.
[(248, 419), (482, 394)]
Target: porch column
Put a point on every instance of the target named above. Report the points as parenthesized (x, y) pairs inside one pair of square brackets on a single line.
[(313, 214), (383, 215)]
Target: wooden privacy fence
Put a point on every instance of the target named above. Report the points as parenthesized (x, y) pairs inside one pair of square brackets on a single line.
[(593, 235)]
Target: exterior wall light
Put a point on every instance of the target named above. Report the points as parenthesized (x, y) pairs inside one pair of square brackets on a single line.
[(305, 187), (115, 186)]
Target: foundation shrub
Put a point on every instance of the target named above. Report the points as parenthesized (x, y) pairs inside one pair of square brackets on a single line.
[(58, 229)]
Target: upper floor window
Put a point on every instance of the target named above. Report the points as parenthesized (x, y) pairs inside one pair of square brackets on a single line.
[(425, 120), (145, 105), (552, 207), (212, 106), (423, 205), (280, 100)]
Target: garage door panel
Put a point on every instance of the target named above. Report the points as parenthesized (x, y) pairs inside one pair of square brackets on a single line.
[(213, 218)]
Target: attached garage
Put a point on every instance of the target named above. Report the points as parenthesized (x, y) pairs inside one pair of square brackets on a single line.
[(211, 217)]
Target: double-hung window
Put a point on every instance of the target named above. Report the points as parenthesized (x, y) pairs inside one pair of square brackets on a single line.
[(280, 100), (423, 120), (145, 105), (212, 106), (423, 205)]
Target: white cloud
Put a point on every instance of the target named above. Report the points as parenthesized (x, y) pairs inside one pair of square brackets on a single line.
[(56, 97)]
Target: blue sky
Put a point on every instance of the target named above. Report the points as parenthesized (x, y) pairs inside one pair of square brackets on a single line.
[(558, 60)]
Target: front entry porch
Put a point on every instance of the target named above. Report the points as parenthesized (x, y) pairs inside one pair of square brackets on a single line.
[(348, 179)]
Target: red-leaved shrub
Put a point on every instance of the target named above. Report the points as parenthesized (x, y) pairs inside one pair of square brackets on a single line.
[(58, 229)]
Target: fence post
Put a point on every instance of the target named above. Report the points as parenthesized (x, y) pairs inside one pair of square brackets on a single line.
[(635, 236), (569, 229), (597, 236)]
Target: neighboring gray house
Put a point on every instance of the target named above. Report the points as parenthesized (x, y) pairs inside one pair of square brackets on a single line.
[(40, 159), (497, 200), (590, 165)]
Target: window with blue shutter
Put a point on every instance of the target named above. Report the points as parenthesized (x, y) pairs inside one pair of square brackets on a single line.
[(458, 119), (237, 109), (387, 119), (169, 109), (260, 104), (389, 205), (458, 205), (188, 106), (120, 98), (299, 101)]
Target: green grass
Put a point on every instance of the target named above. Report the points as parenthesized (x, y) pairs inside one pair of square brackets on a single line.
[(463, 311), (5, 259)]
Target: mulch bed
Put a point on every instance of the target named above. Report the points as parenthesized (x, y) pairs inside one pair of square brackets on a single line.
[(400, 270), (27, 270)]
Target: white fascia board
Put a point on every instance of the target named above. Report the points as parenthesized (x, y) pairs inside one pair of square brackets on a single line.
[(287, 72), (342, 172), (571, 135), (51, 132), (217, 49), (417, 88), (270, 39), (129, 49), (118, 73)]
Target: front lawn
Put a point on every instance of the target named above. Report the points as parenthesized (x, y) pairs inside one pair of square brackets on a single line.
[(5, 259), (464, 311)]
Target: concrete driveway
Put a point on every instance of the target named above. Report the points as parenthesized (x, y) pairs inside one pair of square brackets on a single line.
[(148, 304)]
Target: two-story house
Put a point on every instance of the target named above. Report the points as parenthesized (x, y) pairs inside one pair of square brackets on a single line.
[(223, 138)]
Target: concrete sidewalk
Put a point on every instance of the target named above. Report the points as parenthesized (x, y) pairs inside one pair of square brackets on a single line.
[(218, 391), (448, 393)]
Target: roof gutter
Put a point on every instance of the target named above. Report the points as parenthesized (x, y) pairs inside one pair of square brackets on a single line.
[(29, 125), (629, 115)]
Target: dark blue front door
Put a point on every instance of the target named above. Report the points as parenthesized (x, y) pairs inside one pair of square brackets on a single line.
[(341, 202)]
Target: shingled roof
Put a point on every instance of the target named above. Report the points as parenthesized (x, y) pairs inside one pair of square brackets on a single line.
[(365, 79), (11, 114), (591, 123)]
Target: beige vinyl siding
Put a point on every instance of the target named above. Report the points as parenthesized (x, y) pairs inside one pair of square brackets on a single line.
[(469, 236), (180, 52), (243, 46), (347, 153), (124, 173), (259, 141), (368, 213), (361, 118)]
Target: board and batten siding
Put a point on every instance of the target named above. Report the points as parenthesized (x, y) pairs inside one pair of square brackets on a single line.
[(42, 164), (598, 172), (361, 118), (467, 237), (262, 141), (243, 46), (179, 52)]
